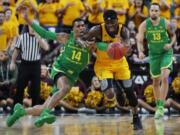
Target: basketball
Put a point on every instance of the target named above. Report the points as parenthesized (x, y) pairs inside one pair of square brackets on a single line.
[(116, 50)]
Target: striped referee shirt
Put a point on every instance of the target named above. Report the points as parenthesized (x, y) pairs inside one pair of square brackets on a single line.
[(29, 47)]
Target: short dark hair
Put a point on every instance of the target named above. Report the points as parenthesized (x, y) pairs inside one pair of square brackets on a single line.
[(77, 20), (109, 15), (156, 4)]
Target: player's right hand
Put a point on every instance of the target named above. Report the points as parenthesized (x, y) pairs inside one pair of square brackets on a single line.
[(141, 55)]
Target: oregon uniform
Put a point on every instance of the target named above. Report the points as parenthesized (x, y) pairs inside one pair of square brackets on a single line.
[(72, 60), (157, 37), (107, 68)]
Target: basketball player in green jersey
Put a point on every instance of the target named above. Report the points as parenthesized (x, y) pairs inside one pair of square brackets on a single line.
[(160, 38), (65, 71)]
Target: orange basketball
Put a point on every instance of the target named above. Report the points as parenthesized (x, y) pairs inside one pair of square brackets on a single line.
[(116, 50)]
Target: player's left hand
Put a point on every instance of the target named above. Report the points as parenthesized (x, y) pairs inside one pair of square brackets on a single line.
[(84, 44), (167, 46)]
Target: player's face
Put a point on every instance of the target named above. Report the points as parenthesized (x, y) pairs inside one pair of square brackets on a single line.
[(154, 12), (79, 28), (111, 25)]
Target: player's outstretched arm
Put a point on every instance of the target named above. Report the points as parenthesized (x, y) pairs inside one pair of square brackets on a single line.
[(140, 39), (60, 37), (40, 30)]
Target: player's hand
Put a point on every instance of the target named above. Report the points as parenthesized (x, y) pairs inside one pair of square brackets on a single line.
[(141, 55), (84, 44), (167, 46)]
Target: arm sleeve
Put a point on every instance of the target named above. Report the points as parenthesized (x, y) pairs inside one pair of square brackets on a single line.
[(102, 46), (43, 32)]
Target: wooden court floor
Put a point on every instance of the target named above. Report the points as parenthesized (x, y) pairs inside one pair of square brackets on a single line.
[(83, 124)]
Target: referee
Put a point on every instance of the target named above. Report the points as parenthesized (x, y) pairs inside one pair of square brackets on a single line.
[(28, 46)]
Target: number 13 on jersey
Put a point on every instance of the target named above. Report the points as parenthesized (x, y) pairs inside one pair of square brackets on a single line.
[(157, 36)]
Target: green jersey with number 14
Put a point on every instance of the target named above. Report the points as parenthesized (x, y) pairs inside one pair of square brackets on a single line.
[(72, 57)]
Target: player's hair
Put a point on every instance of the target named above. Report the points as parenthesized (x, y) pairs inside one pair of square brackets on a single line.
[(156, 4), (77, 20), (110, 15)]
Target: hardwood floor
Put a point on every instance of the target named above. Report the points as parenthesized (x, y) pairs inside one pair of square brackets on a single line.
[(82, 124)]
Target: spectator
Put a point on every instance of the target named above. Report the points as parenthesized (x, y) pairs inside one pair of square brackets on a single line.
[(95, 9), (7, 5), (70, 10), (174, 95), (48, 18), (165, 6), (5, 34), (7, 81), (121, 7), (132, 29), (32, 12), (12, 26), (138, 12)]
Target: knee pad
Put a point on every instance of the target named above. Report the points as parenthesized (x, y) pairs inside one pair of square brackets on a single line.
[(128, 89), (106, 84)]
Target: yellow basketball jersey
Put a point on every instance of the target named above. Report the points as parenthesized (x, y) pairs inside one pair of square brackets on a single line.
[(105, 67), (102, 55)]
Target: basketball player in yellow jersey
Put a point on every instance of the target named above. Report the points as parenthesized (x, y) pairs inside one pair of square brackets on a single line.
[(107, 69)]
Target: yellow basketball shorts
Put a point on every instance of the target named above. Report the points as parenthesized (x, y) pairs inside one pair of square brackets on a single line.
[(118, 70)]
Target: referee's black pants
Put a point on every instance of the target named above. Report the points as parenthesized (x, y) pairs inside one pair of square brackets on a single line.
[(28, 72)]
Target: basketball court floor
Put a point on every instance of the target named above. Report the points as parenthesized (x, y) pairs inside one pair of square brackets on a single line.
[(83, 124)]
